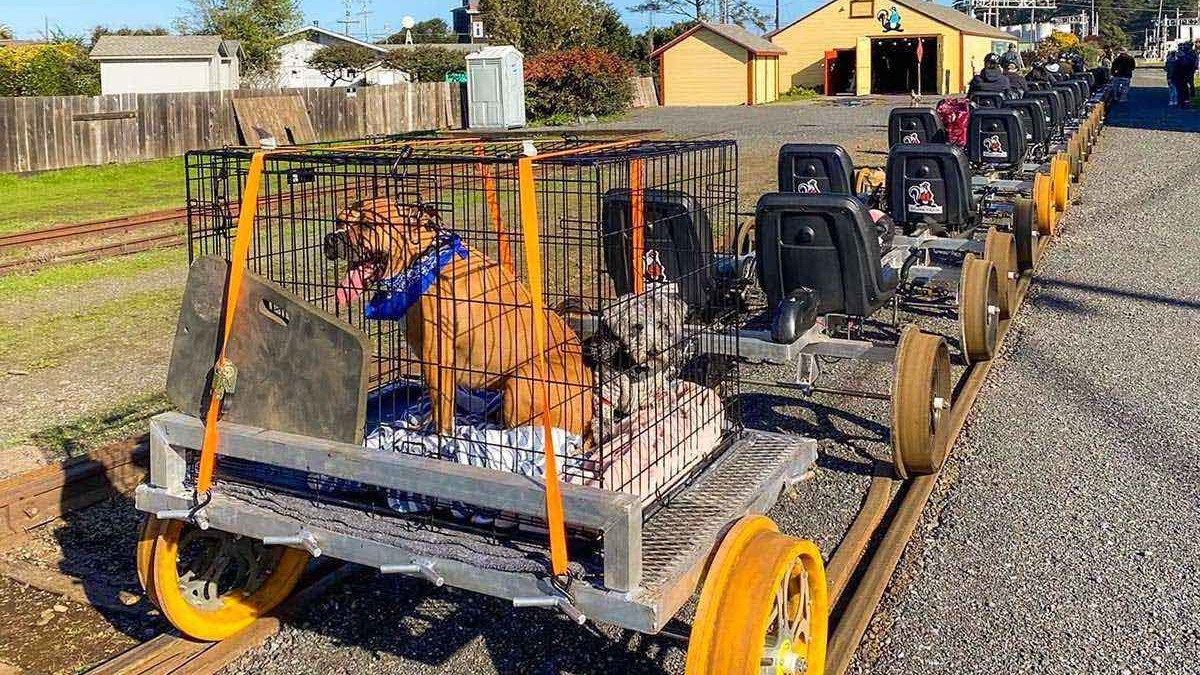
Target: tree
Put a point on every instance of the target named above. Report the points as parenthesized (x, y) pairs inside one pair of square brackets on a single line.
[(426, 63), (58, 69), (125, 30), (258, 24), (1113, 37), (6, 33), (430, 31), (341, 62), (613, 35), (536, 26)]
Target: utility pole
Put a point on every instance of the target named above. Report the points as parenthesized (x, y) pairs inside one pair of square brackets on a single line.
[(777, 12)]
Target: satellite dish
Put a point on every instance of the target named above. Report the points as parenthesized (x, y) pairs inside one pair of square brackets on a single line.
[(407, 22)]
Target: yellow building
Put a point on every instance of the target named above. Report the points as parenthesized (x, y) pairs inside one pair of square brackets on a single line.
[(871, 47), (718, 64)]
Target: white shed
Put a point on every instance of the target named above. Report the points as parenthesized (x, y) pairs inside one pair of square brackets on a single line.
[(148, 64), (299, 45), (496, 88)]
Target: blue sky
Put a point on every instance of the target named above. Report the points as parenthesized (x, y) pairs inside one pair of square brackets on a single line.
[(27, 17)]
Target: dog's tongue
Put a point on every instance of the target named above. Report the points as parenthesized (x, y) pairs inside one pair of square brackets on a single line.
[(353, 285)]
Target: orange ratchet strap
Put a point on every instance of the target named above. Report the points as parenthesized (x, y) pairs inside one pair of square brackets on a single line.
[(527, 190), (493, 206), (637, 215), (223, 372)]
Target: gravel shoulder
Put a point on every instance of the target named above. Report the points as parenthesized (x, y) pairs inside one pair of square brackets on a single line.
[(1070, 541)]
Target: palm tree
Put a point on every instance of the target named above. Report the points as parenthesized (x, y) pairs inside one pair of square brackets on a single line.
[(6, 32)]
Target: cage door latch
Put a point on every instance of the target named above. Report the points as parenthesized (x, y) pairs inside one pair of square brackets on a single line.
[(224, 379)]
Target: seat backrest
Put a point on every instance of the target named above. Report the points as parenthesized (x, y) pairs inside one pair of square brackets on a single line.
[(930, 183), (676, 229), (915, 125), (824, 242), (815, 168), (1070, 98), (1081, 87), (1051, 105), (1033, 118), (996, 137), (1090, 78), (987, 99), (1037, 85)]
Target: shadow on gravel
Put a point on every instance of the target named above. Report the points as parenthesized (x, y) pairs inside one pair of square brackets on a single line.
[(1057, 302), (411, 621), (1147, 109), (853, 430)]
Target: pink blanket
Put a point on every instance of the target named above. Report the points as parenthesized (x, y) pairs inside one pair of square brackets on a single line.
[(659, 443)]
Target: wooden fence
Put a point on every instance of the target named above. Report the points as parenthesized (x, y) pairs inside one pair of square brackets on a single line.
[(54, 132)]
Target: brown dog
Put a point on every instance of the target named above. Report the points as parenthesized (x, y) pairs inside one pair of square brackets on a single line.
[(473, 327)]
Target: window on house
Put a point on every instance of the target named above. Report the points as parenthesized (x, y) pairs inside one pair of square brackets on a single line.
[(862, 9)]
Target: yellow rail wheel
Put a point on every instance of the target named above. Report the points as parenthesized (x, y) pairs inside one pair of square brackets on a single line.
[(920, 403), (1043, 203), (1060, 176), (978, 308), (147, 535), (1001, 249), (211, 584), (1024, 227), (764, 608)]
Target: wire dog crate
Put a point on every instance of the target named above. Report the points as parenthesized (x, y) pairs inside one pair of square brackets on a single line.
[(426, 338), (634, 406)]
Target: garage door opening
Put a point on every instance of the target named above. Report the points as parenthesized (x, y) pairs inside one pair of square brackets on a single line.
[(840, 65), (894, 68)]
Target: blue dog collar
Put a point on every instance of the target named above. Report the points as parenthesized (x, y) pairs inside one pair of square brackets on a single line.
[(402, 291)]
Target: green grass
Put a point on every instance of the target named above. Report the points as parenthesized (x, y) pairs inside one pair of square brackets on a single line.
[(89, 193), (797, 94), (67, 276), (126, 419), (118, 325)]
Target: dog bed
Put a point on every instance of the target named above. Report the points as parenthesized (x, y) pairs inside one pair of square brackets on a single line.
[(646, 451)]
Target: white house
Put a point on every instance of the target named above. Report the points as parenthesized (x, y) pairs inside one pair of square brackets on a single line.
[(300, 44), (147, 64)]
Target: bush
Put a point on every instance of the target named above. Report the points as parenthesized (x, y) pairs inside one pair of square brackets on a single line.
[(341, 62), (799, 93), (427, 64), (48, 70), (577, 82)]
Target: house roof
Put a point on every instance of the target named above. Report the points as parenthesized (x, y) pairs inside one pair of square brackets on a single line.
[(755, 44), (941, 13), (305, 30), (464, 47), (127, 46)]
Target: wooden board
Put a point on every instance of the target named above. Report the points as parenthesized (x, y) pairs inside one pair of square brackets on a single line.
[(283, 117), (300, 370)]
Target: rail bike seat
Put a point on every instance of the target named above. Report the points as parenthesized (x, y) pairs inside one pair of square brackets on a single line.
[(1090, 78), (931, 185), (996, 138), (1084, 84), (1033, 118), (815, 168), (1037, 85), (1052, 106), (676, 231), (915, 125), (817, 255), (987, 99), (1071, 103)]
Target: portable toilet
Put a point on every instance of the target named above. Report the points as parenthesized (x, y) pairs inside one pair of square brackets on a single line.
[(496, 88)]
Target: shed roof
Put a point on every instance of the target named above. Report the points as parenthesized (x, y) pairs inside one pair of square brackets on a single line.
[(755, 44), (941, 13), (119, 46)]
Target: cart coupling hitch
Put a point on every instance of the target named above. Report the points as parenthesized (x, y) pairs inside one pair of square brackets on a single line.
[(304, 539), (199, 516), (558, 601), (424, 569)]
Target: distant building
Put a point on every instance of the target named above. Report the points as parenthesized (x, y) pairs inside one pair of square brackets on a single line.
[(299, 46), (468, 22), (21, 43), (147, 64)]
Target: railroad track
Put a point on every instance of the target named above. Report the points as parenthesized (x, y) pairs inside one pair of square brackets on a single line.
[(81, 231)]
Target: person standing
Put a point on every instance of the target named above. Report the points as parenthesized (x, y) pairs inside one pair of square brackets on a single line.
[(1169, 67), (1122, 72), (1012, 56), (1185, 74)]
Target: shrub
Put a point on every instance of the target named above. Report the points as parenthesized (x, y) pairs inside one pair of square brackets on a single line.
[(577, 82), (341, 62), (427, 64), (48, 70)]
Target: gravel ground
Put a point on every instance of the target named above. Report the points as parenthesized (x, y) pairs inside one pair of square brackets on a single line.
[(1070, 543)]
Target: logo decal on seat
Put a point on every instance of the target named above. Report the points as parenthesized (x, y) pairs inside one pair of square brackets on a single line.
[(922, 200), (912, 139), (993, 148), (808, 187)]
